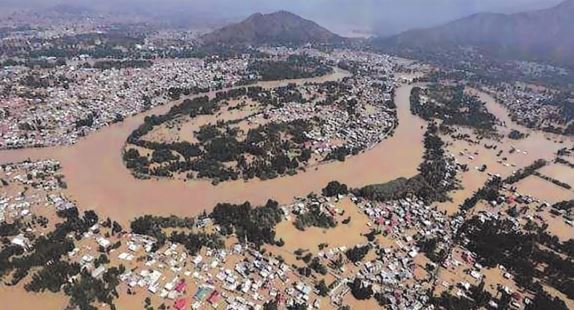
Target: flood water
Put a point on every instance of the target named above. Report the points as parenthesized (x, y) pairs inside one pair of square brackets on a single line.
[(97, 178), (538, 145)]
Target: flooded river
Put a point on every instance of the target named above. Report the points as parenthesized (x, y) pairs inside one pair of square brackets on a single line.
[(538, 145), (97, 178)]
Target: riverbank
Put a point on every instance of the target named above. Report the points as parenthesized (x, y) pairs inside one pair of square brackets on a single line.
[(97, 178)]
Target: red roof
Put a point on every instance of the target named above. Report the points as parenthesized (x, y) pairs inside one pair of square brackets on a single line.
[(180, 304), (181, 286), (213, 297)]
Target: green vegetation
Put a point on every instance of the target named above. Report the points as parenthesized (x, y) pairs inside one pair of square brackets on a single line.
[(431, 248), (87, 290), (221, 155), (46, 261), (488, 192), (322, 288), (525, 172), (357, 253), (516, 135), (553, 180), (566, 205), (452, 106), (294, 67), (436, 176), (194, 242), (360, 289), (119, 64), (335, 188), (255, 225), (498, 242), (153, 226), (477, 299), (314, 217)]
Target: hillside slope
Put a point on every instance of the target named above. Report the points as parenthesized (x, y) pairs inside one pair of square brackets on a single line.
[(276, 28), (543, 35)]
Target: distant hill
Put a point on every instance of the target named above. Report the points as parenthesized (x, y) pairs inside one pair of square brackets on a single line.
[(276, 28), (71, 9), (543, 35)]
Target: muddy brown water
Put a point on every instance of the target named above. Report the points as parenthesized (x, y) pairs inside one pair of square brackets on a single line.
[(97, 178)]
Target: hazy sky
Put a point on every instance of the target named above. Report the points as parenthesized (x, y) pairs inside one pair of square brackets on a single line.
[(387, 16)]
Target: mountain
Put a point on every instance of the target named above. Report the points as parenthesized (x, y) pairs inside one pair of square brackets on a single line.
[(543, 35), (276, 28), (71, 9)]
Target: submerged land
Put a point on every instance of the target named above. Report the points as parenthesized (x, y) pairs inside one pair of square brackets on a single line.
[(159, 171)]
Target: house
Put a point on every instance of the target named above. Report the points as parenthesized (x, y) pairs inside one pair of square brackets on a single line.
[(103, 242), (21, 241), (181, 286), (180, 304), (98, 272), (214, 298)]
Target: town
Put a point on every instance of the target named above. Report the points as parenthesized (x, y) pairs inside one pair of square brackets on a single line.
[(151, 163)]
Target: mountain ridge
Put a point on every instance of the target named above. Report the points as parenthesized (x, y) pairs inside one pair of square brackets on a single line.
[(278, 27), (541, 35)]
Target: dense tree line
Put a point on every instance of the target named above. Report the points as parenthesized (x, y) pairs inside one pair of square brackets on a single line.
[(48, 248), (563, 161), (489, 192), (360, 289), (10, 229), (553, 180), (525, 172), (566, 205), (219, 146), (254, 225), (498, 242), (194, 242), (340, 153), (435, 179), (294, 67), (314, 217), (87, 290), (49, 269), (478, 298), (453, 107), (53, 278), (120, 64), (335, 188), (516, 135), (153, 226), (431, 248), (357, 253)]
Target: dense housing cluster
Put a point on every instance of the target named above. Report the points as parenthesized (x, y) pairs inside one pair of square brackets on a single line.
[(254, 131)]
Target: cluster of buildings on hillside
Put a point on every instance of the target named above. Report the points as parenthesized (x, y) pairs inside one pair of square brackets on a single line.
[(74, 100)]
